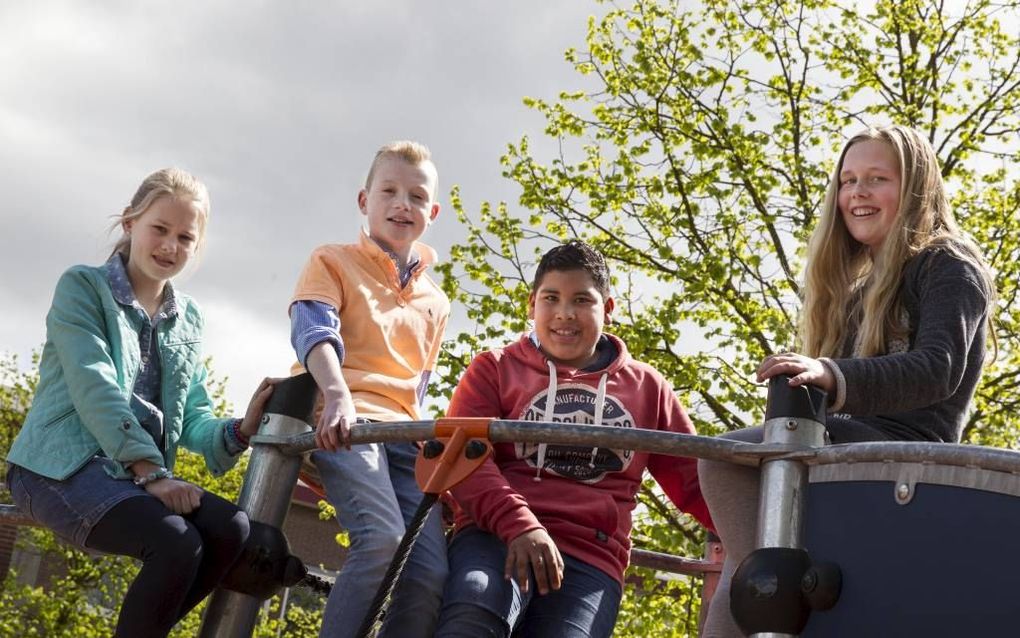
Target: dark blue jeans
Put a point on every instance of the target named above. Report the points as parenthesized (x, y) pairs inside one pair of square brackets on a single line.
[(479, 603)]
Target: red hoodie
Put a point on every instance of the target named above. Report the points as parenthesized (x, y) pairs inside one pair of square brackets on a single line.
[(585, 497)]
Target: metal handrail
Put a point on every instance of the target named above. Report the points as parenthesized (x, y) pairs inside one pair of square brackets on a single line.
[(503, 431), (676, 444)]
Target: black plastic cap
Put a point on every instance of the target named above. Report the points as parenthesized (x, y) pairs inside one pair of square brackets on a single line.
[(294, 397), (821, 585), (265, 564), (803, 402), (765, 595), (432, 449)]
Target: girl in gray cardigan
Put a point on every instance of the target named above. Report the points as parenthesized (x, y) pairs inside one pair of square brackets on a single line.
[(896, 309)]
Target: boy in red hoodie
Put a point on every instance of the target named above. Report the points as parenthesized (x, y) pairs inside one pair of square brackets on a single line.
[(557, 518)]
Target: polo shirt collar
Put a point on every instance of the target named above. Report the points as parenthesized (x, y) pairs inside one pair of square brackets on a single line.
[(426, 255)]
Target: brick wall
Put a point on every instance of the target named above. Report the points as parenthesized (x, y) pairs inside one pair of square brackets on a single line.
[(311, 539), (8, 534)]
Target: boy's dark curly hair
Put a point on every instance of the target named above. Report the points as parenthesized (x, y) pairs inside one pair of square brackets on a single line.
[(575, 255)]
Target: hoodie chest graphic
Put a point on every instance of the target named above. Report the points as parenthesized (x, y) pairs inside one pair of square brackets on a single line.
[(576, 403)]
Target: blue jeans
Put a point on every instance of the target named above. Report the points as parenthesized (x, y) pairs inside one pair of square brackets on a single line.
[(72, 507), (478, 602), (373, 489)]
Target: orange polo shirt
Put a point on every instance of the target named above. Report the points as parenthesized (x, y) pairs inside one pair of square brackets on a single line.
[(390, 334)]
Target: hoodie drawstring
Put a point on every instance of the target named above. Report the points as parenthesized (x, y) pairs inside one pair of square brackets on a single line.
[(600, 405), (550, 411)]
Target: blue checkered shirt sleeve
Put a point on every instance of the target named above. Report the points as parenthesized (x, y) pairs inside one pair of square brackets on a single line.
[(311, 323)]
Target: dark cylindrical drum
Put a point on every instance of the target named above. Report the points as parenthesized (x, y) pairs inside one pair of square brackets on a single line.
[(925, 549)]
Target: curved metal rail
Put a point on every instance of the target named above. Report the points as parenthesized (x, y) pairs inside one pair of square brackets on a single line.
[(675, 444), (952, 454)]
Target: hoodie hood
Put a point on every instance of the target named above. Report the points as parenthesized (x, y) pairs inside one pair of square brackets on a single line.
[(527, 351)]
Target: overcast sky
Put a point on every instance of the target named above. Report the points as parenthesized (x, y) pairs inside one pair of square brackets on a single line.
[(278, 107)]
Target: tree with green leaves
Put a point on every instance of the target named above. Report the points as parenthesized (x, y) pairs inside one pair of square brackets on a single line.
[(697, 159)]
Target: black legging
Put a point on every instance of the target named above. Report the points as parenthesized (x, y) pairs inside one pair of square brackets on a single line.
[(183, 557)]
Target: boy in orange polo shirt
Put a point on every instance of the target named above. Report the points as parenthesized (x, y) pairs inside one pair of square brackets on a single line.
[(367, 322)]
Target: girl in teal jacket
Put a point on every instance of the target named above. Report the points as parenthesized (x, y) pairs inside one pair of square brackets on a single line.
[(121, 385)]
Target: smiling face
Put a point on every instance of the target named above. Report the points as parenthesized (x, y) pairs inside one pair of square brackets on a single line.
[(569, 313), (399, 203), (163, 240), (869, 191)]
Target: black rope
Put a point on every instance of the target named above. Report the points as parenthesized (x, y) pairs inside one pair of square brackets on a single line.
[(396, 565)]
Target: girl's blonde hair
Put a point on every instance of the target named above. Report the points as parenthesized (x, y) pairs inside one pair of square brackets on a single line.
[(172, 182), (844, 279)]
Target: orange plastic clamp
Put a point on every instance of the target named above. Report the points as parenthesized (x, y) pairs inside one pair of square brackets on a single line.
[(440, 473)]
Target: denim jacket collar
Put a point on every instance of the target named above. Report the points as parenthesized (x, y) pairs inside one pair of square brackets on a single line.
[(120, 285)]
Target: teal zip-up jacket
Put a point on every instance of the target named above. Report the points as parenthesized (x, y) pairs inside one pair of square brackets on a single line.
[(86, 376)]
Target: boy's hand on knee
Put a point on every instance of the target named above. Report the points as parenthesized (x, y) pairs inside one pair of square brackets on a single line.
[(180, 497), (534, 550), (333, 430)]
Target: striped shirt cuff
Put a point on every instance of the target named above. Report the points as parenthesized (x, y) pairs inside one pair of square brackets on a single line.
[(423, 386), (311, 323)]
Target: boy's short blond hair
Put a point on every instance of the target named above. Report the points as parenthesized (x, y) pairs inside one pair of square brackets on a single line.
[(411, 152)]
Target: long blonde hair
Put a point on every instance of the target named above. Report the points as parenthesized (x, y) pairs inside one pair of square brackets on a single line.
[(844, 279), (172, 182)]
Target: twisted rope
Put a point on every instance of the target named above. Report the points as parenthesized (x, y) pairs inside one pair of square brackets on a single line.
[(389, 581)]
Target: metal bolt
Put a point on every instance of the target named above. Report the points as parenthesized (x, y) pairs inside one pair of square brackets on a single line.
[(902, 491), (809, 581), (265, 419), (791, 425), (432, 449), (475, 449)]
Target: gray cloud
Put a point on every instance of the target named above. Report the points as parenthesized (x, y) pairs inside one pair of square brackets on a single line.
[(277, 106)]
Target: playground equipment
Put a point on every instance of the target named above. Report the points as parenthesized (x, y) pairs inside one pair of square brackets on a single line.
[(285, 435), (863, 539)]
